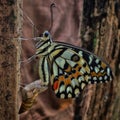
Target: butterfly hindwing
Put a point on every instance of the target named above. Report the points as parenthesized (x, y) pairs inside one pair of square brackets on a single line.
[(73, 69), (69, 68)]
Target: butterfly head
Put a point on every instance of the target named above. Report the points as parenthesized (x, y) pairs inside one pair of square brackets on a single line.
[(44, 42), (45, 36)]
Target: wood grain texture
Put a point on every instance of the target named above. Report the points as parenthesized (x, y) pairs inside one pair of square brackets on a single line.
[(100, 34), (10, 25)]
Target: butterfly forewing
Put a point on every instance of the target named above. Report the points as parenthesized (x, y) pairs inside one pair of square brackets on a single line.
[(71, 69)]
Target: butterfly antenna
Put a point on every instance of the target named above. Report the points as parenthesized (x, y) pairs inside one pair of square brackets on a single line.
[(51, 11), (30, 21)]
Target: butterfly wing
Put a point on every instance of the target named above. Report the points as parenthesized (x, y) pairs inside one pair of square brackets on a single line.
[(44, 68), (73, 68)]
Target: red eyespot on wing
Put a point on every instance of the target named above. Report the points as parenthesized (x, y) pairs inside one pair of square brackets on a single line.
[(55, 85)]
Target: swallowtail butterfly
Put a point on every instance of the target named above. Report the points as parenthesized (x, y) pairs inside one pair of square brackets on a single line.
[(69, 68)]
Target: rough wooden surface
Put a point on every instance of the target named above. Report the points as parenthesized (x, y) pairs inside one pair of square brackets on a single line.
[(10, 25), (100, 34)]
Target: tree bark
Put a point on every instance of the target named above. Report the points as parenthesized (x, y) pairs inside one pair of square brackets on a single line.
[(100, 32), (10, 29)]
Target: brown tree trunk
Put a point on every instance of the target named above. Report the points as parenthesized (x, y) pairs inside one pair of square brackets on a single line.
[(10, 26), (100, 32)]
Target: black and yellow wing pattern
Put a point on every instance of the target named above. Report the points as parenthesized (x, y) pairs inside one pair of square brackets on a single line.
[(69, 68)]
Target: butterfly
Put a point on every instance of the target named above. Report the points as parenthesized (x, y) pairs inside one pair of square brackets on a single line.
[(69, 68)]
